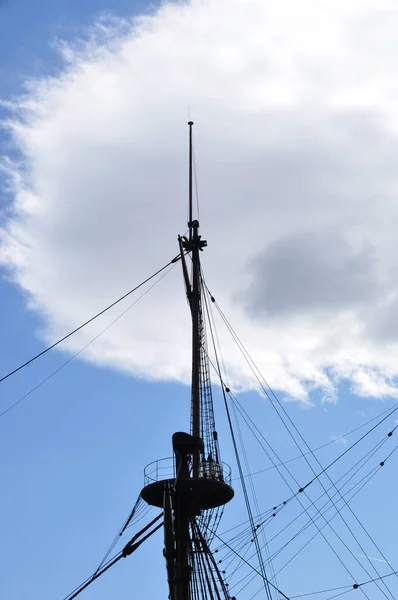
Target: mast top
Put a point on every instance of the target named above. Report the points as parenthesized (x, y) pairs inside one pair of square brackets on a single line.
[(190, 218)]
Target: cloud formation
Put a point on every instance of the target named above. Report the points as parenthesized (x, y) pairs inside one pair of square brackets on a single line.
[(308, 272), (296, 139)]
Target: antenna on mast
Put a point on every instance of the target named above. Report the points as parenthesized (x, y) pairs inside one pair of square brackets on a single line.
[(190, 123)]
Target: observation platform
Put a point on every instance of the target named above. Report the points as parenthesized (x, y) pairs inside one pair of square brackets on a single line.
[(209, 490)]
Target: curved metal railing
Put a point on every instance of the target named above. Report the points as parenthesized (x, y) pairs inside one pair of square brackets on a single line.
[(164, 468)]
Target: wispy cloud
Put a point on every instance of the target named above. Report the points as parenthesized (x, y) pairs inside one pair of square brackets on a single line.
[(339, 439), (371, 558)]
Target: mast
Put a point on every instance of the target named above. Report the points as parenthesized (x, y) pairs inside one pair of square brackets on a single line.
[(199, 484), (195, 303)]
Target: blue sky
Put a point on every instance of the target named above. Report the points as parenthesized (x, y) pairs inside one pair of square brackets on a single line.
[(73, 453)]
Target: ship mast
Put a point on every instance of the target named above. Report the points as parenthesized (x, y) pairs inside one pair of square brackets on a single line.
[(198, 486)]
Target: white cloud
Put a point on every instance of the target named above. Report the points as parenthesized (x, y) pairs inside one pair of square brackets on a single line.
[(296, 142)]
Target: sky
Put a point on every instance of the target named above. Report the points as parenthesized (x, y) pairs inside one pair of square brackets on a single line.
[(295, 143)]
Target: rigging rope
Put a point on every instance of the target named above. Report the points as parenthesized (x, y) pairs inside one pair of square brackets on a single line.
[(65, 337), (308, 524), (306, 509), (120, 532), (258, 376), (348, 588), (64, 364), (243, 483), (302, 490), (249, 565), (269, 392), (214, 337), (340, 437), (129, 548), (368, 477)]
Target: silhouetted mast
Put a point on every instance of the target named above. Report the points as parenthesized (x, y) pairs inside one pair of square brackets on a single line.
[(197, 487)]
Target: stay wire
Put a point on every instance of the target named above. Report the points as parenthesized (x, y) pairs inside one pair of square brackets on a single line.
[(243, 549), (258, 551), (64, 364), (258, 375), (277, 552), (222, 382), (251, 362), (368, 477), (246, 416), (243, 484), (142, 516), (203, 570), (365, 480), (319, 531), (352, 587), (68, 335), (213, 562), (254, 495), (327, 502), (336, 589), (263, 515), (313, 520), (390, 412), (305, 508), (296, 495), (345, 435), (129, 548), (214, 336), (338, 595), (93, 577), (249, 565), (225, 388), (120, 533)]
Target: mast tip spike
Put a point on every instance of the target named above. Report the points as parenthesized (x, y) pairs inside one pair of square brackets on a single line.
[(190, 123)]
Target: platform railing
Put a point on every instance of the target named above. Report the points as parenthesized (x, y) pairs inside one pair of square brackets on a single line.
[(164, 468)]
